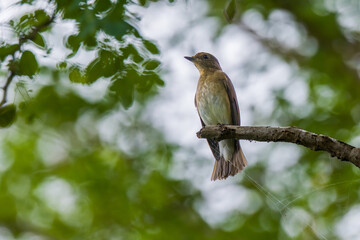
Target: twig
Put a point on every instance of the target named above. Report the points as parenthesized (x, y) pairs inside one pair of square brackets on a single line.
[(22, 40), (316, 142), (5, 87)]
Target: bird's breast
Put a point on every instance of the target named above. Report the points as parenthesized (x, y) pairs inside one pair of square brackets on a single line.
[(213, 103)]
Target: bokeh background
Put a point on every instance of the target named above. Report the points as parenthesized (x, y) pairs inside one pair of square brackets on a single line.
[(97, 137)]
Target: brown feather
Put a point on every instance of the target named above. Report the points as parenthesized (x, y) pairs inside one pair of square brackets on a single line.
[(215, 84)]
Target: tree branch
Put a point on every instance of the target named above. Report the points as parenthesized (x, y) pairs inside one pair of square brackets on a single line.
[(5, 87), (316, 142), (22, 39)]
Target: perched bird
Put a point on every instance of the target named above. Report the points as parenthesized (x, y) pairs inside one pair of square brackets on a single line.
[(216, 103)]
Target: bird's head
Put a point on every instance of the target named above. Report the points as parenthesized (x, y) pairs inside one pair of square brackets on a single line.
[(204, 61)]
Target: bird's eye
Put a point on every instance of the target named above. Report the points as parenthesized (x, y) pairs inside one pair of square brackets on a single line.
[(205, 56)]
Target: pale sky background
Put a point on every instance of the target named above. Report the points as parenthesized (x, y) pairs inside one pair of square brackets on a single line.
[(182, 31)]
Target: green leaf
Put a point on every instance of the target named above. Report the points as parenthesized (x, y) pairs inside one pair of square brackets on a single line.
[(102, 5), (24, 20), (39, 40), (152, 64), (28, 65), (76, 76), (94, 71), (90, 42), (158, 80), (7, 115), (7, 50), (230, 11), (116, 28), (151, 47), (106, 64), (111, 62), (27, 1), (123, 87), (62, 65), (130, 49), (41, 17), (147, 82), (137, 58), (73, 42)]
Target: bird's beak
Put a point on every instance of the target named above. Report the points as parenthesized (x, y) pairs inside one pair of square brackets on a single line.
[(191, 59)]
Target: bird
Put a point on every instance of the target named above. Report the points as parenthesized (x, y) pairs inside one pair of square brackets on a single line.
[(216, 104)]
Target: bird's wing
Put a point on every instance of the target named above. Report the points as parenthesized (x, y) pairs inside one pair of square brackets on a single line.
[(234, 107), (213, 144)]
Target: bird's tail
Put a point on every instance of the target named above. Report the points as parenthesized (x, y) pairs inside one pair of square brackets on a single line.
[(223, 169)]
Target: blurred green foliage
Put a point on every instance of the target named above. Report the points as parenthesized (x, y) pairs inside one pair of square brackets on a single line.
[(7, 115), (62, 177)]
